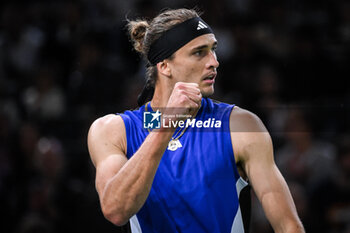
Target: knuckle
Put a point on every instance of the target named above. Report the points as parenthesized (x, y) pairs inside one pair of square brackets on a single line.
[(183, 99), (182, 92), (180, 85)]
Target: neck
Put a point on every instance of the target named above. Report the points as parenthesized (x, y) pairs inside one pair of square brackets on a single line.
[(161, 95)]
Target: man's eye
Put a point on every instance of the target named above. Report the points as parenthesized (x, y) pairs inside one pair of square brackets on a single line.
[(198, 53)]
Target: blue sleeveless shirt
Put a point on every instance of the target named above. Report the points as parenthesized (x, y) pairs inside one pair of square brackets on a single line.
[(196, 187)]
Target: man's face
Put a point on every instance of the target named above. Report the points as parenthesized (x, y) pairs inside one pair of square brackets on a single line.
[(196, 62)]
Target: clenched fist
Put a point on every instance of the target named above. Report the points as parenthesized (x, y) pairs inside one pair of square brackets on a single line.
[(185, 99)]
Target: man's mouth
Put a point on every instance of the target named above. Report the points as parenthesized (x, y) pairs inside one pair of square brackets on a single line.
[(210, 77)]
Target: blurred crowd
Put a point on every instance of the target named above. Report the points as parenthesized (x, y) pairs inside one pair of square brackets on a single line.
[(65, 63)]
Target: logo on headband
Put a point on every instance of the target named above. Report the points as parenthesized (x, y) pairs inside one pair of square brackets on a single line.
[(201, 25)]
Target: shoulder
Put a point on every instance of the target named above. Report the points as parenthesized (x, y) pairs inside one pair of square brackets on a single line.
[(106, 124), (242, 120), (248, 134), (107, 133)]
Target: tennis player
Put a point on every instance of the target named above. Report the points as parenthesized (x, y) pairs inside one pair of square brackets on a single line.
[(181, 162)]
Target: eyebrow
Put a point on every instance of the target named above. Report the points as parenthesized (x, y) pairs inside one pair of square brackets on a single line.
[(204, 46)]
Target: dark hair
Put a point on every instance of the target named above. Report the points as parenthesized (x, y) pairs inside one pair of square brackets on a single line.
[(143, 33)]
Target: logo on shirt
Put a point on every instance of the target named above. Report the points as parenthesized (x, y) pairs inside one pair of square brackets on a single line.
[(151, 120)]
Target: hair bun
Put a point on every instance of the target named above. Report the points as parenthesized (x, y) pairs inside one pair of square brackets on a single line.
[(137, 31)]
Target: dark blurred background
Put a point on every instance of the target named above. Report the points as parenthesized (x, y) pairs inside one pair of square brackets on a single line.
[(65, 63)]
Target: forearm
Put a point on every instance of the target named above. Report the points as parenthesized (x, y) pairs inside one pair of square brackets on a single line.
[(125, 193), (279, 206), (294, 226), (282, 216)]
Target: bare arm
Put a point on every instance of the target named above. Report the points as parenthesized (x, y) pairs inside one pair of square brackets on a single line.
[(253, 148), (123, 185)]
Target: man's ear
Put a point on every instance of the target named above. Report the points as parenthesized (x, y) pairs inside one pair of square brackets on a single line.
[(164, 68)]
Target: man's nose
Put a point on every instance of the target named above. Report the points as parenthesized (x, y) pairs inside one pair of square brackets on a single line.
[(213, 61)]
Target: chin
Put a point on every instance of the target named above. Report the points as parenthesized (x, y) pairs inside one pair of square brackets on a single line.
[(207, 93)]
